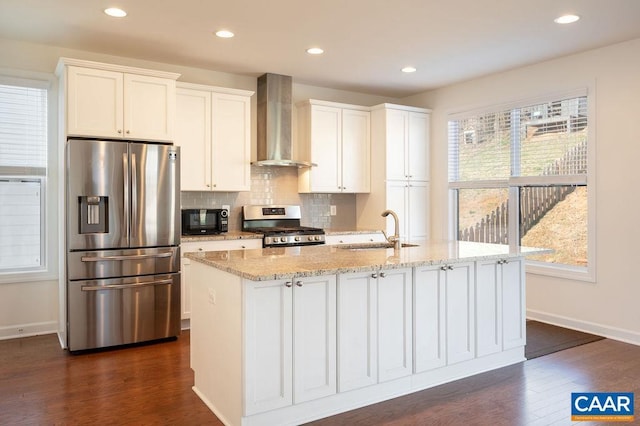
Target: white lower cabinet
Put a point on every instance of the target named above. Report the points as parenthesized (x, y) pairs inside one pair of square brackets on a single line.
[(290, 342), (500, 306), (357, 331), (395, 331), (459, 311), (429, 350)]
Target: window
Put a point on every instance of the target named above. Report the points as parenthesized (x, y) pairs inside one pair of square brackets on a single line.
[(23, 175), (518, 175)]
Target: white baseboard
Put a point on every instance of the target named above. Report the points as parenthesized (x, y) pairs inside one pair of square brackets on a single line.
[(614, 333), (26, 330)]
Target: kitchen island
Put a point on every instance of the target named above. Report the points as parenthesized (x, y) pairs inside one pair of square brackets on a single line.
[(289, 335)]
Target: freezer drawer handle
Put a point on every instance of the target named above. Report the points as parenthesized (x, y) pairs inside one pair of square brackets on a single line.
[(124, 257), (121, 286)]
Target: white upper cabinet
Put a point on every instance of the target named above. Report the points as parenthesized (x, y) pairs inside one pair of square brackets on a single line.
[(400, 181), (116, 102), (336, 137), (407, 145), (214, 132)]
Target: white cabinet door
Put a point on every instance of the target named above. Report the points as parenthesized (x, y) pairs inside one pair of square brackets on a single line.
[(149, 107), (460, 312), (410, 201), (396, 137), (488, 308), (94, 102), (193, 135), (356, 145), (416, 219), (357, 331), (214, 132), (417, 146), (397, 200), (268, 381), (314, 338), (429, 318), (326, 130), (513, 303), (395, 330), (231, 142)]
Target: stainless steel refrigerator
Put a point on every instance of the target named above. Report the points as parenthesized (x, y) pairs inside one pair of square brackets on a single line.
[(123, 237)]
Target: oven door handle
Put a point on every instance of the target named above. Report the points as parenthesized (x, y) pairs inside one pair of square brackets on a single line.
[(123, 286), (125, 257)]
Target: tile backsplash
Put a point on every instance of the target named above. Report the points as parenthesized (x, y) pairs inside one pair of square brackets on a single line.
[(279, 185)]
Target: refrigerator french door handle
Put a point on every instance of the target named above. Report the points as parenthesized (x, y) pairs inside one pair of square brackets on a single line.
[(134, 190), (122, 286), (125, 257), (125, 169)]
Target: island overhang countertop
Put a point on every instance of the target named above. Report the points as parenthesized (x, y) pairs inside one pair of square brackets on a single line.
[(289, 262)]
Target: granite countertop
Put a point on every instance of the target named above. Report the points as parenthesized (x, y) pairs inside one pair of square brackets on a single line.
[(351, 231), (221, 237), (288, 262)]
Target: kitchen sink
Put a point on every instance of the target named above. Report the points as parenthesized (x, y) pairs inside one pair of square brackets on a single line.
[(373, 246)]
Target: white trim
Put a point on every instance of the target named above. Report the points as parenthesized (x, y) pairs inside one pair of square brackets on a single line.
[(569, 272), (65, 62), (216, 89), (400, 107), (480, 184), (615, 333), (27, 330), (332, 105), (519, 103)]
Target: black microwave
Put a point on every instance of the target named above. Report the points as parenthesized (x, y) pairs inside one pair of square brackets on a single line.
[(204, 221)]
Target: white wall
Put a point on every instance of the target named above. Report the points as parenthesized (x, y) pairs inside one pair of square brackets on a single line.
[(608, 306), (28, 308)]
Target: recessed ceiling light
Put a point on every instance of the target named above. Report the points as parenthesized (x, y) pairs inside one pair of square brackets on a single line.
[(409, 69), (115, 12), (224, 34), (566, 19), (315, 51)]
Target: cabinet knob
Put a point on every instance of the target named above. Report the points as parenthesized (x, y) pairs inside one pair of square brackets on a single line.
[(128, 132), (450, 267), (119, 131), (199, 248), (215, 185), (382, 275), (443, 268), (374, 275), (299, 283), (288, 284), (208, 186)]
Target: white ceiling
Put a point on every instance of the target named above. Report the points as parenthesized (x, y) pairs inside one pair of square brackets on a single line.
[(366, 42)]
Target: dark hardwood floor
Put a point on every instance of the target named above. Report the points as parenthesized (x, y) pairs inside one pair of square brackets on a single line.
[(40, 384)]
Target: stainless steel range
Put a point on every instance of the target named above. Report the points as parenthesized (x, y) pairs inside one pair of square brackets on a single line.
[(280, 226)]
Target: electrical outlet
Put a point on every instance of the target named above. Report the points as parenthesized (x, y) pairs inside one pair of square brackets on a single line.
[(212, 296), (333, 210)]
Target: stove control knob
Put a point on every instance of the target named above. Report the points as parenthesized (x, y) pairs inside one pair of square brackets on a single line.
[(297, 238), (283, 239), (317, 238), (310, 238)]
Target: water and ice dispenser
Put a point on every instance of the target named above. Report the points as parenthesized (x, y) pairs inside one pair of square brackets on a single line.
[(94, 214)]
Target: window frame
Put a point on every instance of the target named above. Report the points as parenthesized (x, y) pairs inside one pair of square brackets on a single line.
[(48, 271), (514, 183)]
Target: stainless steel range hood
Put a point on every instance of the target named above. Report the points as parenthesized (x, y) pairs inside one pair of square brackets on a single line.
[(274, 122)]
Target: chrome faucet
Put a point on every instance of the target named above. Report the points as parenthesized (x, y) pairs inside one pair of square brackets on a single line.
[(395, 239)]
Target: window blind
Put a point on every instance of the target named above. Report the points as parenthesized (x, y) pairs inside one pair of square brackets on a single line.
[(545, 139), (23, 130)]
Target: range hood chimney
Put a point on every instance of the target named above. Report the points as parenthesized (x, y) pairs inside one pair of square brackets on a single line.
[(274, 122)]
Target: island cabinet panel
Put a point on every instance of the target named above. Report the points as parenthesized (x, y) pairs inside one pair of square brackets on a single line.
[(395, 331), (268, 382), (357, 331), (429, 319), (513, 303), (314, 337), (459, 285)]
